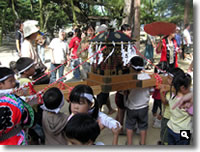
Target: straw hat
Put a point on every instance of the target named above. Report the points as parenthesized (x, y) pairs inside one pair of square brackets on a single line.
[(29, 28)]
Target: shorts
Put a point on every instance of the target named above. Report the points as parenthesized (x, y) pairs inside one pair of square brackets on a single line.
[(119, 100), (102, 98), (139, 116), (164, 131)]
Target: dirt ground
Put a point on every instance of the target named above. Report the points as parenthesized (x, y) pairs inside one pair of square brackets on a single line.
[(7, 54)]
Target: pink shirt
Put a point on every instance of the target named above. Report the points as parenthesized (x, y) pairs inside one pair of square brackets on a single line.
[(74, 43)]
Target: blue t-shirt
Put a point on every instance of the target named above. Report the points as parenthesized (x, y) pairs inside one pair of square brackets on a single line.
[(178, 39)]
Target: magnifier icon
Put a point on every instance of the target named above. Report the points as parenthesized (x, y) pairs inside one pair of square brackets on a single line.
[(184, 134)]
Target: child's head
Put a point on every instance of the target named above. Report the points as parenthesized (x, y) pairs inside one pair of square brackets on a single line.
[(82, 100), (25, 66), (137, 63), (82, 129), (7, 79), (182, 83), (174, 72), (53, 100)]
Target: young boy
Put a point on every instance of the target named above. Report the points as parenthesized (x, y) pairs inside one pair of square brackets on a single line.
[(15, 114), (137, 106), (26, 68), (53, 121), (82, 129)]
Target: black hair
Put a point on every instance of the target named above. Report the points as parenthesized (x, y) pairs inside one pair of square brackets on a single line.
[(186, 25), (176, 72), (12, 66), (70, 34), (4, 71), (52, 98), (137, 61), (78, 31), (75, 97), (90, 26), (23, 62), (18, 23), (181, 80), (82, 127), (125, 27)]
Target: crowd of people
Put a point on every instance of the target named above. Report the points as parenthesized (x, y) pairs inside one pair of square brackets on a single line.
[(22, 124)]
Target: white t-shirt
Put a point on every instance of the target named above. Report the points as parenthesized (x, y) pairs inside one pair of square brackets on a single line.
[(138, 98), (60, 50), (107, 121), (186, 35)]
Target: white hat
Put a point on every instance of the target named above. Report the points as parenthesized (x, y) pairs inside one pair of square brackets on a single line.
[(29, 28), (102, 27), (177, 28)]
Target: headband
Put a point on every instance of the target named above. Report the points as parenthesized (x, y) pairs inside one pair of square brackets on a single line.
[(170, 74), (138, 67), (7, 76), (26, 68), (54, 110), (87, 96)]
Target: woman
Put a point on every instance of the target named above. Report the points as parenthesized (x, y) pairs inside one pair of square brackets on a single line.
[(168, 49), (30, 34)]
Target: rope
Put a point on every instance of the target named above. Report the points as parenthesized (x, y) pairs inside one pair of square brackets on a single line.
[(42, 91)]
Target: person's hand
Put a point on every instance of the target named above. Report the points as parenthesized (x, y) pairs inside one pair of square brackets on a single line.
[(185, 102), (19, 92), (163, 88), (100, 124), (117, 130)]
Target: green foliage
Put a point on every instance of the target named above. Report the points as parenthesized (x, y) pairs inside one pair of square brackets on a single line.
[(164, 10)]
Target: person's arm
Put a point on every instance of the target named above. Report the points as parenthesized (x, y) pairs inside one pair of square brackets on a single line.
[(18, 47), (162, 94), (116, 132), (112, 124), (159, 47), (185, 102)]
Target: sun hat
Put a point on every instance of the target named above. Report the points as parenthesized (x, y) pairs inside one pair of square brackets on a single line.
[(30, 28)]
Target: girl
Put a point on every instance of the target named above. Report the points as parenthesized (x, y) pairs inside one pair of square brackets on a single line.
[(165, 95), (179, 119), (82, 100)]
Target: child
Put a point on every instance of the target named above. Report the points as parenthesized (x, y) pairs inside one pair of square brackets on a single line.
[(82, 129), (15, 114), (53, 121), (179, 118), (157, 100), (82, 100), (26, 68), (137, 106), (165, 95)]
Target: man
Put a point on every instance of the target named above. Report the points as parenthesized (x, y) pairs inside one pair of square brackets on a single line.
[(187, 52), (19, 36), (59, 55)]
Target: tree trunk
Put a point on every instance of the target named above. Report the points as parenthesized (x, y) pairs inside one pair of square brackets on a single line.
[(186, 11), (13, 8), (73, 12), (128, 12), (2, 25), (41, 15), (136, 32)]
